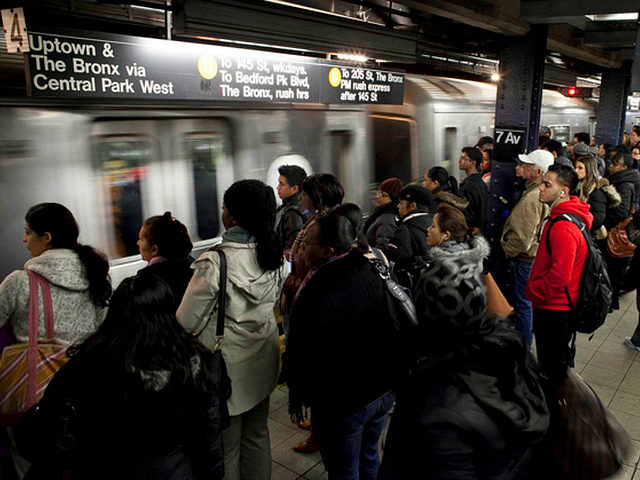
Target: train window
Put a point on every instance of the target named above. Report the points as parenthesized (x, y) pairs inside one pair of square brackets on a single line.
[(122, 164), (561, 133), (392, 148), (450, 144), (339, 145), (206, 152)]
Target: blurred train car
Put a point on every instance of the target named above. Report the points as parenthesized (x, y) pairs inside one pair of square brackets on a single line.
[(115, 165)]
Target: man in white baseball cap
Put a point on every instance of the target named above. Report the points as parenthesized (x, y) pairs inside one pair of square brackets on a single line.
[(520, 235), (540, 158)]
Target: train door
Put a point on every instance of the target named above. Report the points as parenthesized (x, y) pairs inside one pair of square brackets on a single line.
[(203, 150), (395, 150), (121, 163), (144, 167)]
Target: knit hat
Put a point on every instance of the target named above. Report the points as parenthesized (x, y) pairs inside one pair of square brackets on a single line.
[(416, 193), (451, 294), (252, 205), (392, 186)]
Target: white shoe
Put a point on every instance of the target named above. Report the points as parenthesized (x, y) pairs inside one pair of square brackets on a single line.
[(629, 343)]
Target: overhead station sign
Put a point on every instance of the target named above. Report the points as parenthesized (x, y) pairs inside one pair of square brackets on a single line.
[(113, 66)]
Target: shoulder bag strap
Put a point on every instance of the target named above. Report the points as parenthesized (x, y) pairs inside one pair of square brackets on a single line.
[(222, 297), (48, 307), (222, 289), (32, 349)]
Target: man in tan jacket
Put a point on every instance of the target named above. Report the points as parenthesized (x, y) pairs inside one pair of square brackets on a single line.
[(520, 235)]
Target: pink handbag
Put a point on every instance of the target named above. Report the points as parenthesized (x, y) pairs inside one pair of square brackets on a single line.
[(27, 368)]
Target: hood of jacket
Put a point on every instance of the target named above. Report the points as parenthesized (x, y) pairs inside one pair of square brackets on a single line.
[(490, 361), (61, 267), (576, 207), (624, 176), (475, 250), (419, 218), (243, 271), (460, 203), (504, 381), (613, 197)]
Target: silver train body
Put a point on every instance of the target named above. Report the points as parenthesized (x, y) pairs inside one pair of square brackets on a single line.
[(115, 165)]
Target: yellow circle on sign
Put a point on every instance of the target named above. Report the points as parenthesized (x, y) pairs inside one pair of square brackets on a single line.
[(207, 67), (335, 77)]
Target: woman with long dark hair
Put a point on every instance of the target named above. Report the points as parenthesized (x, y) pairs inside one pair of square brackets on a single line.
[(77, 274), (251, 346), (165, 243), (135, 400)]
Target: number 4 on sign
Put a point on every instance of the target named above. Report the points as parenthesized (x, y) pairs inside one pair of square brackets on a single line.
[(15, 30)]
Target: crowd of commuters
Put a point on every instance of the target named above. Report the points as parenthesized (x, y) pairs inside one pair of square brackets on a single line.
[(143, 395)]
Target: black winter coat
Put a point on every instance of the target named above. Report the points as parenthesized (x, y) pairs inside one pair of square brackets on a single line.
[(176, 274), (341, 339), (624, 182), (410, 239), (603, 198), (123, 430), (381, 225), (289, 221), (461, 418), (475, 190)]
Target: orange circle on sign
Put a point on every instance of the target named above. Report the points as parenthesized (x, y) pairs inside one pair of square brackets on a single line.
[(207, 67), (335, 77)]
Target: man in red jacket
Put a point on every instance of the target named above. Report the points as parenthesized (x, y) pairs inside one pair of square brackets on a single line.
[(558, 264)]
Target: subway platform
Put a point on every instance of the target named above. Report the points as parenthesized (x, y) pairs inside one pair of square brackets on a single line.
[(612, 369)]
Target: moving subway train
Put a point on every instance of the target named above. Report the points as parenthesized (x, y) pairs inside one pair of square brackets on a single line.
[(115, 165)]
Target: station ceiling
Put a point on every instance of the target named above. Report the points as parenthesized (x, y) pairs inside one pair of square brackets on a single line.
[(451, 37)]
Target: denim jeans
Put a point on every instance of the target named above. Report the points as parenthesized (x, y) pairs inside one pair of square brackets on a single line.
[(518, 277), (349, 443)]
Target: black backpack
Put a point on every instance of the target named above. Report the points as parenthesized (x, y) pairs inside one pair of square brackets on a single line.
[(595, 288)]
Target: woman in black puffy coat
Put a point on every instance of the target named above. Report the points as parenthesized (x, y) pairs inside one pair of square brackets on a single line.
[(597, 192)]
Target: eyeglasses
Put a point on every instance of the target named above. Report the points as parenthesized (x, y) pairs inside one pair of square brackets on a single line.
[(381, 194)]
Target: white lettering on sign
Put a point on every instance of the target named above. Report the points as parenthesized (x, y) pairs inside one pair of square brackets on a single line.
[(151, 86), (15, 30), (39, 44), (512, 138)]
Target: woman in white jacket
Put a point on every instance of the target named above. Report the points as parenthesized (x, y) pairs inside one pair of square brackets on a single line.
[(251, 346)]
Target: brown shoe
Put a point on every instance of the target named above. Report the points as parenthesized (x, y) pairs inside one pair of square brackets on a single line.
[(305, 424), (308, 446)]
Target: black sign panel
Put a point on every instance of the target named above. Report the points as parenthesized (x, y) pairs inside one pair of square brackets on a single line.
[(113, 66), (508, 143)]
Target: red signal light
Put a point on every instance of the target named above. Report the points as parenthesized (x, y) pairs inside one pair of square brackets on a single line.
[(572, 91)]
